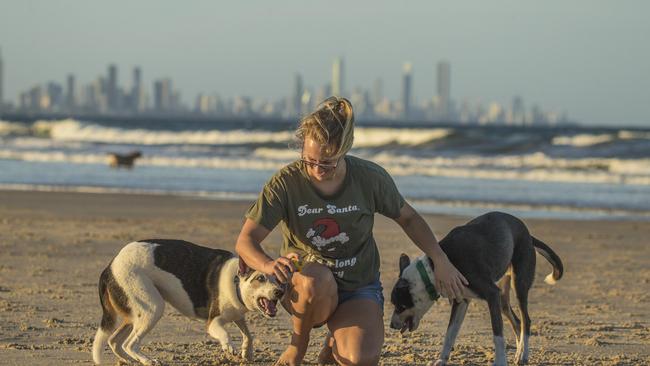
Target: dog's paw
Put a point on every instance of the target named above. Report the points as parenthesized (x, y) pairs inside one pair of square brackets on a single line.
[(228, 348), (152, 362), (439, 362), (247, 353), (521, 358)]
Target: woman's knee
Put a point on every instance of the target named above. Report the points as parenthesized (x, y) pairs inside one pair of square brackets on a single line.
[(357, 357)]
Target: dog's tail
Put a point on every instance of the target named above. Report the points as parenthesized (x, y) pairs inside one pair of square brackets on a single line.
[(554, 259), (108, 317)]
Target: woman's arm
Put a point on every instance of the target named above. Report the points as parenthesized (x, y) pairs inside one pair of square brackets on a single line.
[(249, 249), (449, 279)]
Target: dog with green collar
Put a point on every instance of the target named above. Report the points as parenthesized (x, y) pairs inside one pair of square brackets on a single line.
[(494, 252)]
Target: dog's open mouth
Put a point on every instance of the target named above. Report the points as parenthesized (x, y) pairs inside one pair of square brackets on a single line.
[(408, 324), (267, 306)]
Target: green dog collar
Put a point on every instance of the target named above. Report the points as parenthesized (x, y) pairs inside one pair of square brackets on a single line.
[(431, 289)]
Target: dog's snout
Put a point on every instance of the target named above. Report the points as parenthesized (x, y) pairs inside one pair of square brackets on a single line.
[(394, 326)]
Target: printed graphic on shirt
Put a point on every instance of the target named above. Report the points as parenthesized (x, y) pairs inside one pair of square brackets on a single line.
[(324, 232), (343, 263), (329, 208)]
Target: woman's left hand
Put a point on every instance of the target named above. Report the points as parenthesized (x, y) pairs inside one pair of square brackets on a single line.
[(449, 280)]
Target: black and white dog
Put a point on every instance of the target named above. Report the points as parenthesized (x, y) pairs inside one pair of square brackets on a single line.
[(494, 252), (202, 283)]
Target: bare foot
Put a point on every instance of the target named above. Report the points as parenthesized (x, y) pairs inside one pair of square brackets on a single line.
[(326, 357), (290, 357)]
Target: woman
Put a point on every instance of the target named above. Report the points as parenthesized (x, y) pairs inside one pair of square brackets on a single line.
[(325, 203)]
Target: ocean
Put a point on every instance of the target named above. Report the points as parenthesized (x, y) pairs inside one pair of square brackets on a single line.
[(550, 172)]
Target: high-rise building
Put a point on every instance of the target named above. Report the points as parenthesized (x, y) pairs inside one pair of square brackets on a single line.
[(136, 96), (95, 97), (377, 92), (407, 86), (55, 96), (444, 90), (112, 93), (70, 99), (1, 83), (296, 97), (518, 111), (320, 94), (37, 100), (338, 77), (208, 104), (162, 95)]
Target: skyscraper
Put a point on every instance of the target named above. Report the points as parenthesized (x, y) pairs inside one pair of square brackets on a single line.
[(163, 95), (406, 89), (377, 92), (518, 111), (54, 93), (136, 90), (70, 100), (1, 83), (444, 89), (111, 88), (338, 77), (296, 97)]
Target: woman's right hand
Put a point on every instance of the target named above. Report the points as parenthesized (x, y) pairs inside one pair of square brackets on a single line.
[(281, 267)]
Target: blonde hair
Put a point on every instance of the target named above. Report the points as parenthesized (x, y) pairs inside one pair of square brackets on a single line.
[(331, 125)]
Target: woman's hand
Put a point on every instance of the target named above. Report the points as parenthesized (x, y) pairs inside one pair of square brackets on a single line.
[(281, 267), (448, 279)]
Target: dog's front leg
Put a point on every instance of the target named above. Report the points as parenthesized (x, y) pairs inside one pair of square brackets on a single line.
[(247, 339), (218, 332), (458, 311)]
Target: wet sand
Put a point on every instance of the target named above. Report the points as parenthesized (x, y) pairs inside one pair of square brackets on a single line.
[(54, 245)]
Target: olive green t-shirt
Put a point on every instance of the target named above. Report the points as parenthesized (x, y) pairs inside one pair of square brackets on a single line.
[(334, 230)]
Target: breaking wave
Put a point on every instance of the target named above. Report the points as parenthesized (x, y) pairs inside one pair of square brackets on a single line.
[(71, 130), (533, 167)]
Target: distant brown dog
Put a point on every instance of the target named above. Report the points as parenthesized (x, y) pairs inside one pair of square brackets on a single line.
[(116, 160)]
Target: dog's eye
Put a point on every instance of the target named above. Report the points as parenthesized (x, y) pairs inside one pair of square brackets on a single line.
[(261, 278)]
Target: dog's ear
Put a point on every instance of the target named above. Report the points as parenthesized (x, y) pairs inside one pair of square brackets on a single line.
[(404, 262), (244, 269)]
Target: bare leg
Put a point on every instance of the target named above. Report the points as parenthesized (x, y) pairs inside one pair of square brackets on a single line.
[(311, 300), (357, 328), (458, 312), (247, 339)]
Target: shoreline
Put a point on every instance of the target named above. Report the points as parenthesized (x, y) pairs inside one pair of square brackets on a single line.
[(424, 206), (53, 245)]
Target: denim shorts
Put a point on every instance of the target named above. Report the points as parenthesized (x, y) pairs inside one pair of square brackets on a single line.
[(372, 291)]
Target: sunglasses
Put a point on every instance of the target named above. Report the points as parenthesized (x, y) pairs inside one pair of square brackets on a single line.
[(326, 167)]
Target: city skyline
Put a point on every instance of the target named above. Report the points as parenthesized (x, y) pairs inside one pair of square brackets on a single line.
[(586, 58), (105, 95)]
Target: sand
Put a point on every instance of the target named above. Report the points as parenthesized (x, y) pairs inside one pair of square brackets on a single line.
[(54, 245)]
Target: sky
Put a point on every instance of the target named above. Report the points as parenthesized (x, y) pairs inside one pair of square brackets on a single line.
[(590, 59)]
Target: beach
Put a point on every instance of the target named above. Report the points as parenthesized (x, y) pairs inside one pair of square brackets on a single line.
[(53, 246)]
